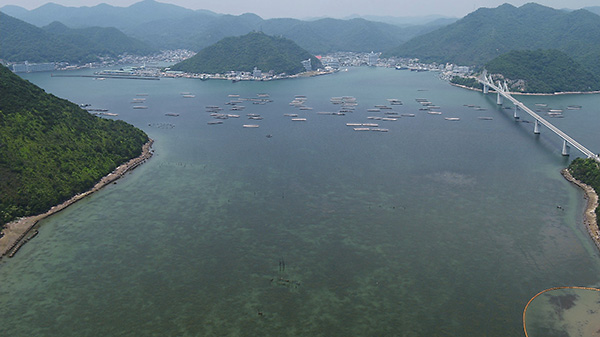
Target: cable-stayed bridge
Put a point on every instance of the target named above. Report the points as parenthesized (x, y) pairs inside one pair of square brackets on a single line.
[(502, 92)]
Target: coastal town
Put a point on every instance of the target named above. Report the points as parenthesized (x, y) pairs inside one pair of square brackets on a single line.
[(156, 66)]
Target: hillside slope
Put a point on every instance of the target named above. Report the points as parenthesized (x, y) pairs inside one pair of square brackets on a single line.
[(50, 149), (487, 33), (246, 52)]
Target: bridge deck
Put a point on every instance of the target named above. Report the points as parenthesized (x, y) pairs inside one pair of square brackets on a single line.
[(544, 122)]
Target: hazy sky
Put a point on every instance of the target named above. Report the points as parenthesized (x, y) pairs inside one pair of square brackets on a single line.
[(317, 8)]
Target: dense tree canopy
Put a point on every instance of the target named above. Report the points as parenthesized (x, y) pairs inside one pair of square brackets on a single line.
[(543, 71), (588, 172), (50, 149), (246, 52)]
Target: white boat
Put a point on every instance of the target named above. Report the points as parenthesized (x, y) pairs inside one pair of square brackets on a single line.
[(353, 124), (299, 119), (362, 129), (452, 119), (250, 125), (434, 112)]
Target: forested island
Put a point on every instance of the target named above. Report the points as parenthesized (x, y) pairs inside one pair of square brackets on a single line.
[(246, 52), (51, 149)]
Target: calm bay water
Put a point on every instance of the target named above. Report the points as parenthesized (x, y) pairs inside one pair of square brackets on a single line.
[(435, 228)]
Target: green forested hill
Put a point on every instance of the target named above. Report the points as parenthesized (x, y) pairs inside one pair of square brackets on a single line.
[(246, 52), (543, 71), (105, 41), (50, 149), (490, 32), (21, 41)]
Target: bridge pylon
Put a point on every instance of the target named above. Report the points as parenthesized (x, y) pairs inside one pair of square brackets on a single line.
[(536, 127), (565, 148), (515, 114)]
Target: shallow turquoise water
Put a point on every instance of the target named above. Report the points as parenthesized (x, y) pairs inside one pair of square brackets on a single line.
[(434, 228)]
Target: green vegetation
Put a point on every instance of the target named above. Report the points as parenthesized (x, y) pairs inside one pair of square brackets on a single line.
[(466, 81), (588, 172), (99, 40), (20, 41), (246, 52), (543, 71), (50, 149), (490, 32), (166, 26)]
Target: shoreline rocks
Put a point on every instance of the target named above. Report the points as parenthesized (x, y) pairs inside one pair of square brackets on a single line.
[(590, 219), (20, 231)]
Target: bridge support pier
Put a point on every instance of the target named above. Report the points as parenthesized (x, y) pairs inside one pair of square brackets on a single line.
[(536, 127), (499, 99), (566, 148), (486, 89), (515, 115)]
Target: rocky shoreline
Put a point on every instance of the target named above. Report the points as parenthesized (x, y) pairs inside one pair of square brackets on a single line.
[(20, 231), (589, 218)]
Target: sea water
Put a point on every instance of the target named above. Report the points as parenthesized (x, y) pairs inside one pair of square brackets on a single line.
[(434, 228)]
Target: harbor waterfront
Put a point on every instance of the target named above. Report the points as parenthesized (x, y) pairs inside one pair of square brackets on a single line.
[(445, 225)]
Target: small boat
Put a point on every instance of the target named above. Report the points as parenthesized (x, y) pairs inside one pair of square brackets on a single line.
[(408, 115), (299, 119), (373, 110), (171, 114), (353, 124), (380, 130), (454, 119), (189, 96), (362, 129), (291, 115), (250, 125), (214, 122), (389, 119), (486, 118), (574, 107), (370, 124), (434, 112), (140, 107)]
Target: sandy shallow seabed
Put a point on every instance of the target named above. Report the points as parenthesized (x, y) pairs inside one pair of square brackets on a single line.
[(589, 217), (20, 231)]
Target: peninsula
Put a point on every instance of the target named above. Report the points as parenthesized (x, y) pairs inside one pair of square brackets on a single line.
[(52, 150)]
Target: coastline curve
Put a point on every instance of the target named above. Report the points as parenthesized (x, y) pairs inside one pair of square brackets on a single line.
[(20, 231)]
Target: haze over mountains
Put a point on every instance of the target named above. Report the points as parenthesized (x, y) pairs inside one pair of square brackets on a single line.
[(487, 33), (166, 26), (149, 25)]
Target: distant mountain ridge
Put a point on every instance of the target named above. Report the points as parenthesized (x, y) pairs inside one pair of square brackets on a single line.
[(166, 26), (487, 33), (243, 53), (21, 41)]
